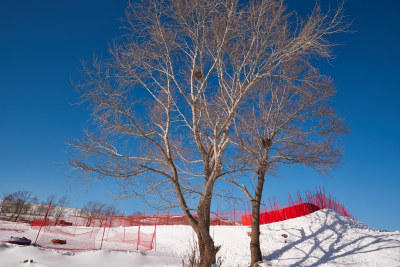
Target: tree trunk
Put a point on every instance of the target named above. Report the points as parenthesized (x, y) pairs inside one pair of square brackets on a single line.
[(201, 225), (255, 249), (207, 249)]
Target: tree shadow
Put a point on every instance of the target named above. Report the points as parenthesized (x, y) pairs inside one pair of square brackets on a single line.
[(329, 242)]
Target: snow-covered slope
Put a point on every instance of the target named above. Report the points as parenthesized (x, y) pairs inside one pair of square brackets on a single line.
[(322, 238)]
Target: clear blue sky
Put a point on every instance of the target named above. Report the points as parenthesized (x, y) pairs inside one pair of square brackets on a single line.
[(42, 43)]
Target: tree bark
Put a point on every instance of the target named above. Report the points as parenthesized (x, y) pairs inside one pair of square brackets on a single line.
[(255, 249), (207, 249)]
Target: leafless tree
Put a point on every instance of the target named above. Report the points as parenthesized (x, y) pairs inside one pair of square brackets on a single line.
[(94, 210), (50, 202), (163, 106), (17, 203), (6, 204), (112, 210), (41, 209), (289, 120), (60, 208), (47, 206)]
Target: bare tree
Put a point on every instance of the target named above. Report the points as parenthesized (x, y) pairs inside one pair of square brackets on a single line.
[(94, 210), (60, 208), (6, 204), (47, 206), (163, 106), (41, 209), (112, 210), (289, 120), (17, 203), (50, 203)]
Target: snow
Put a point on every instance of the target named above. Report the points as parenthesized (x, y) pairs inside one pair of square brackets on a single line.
[(323, 238)]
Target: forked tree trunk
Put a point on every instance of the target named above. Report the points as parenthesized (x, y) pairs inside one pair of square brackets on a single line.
[(255, 249), (202, 226)]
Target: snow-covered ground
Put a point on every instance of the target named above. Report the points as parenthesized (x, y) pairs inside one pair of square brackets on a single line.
[(322, 238)]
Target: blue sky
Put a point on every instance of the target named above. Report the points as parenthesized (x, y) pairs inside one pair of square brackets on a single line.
[(42, 43)]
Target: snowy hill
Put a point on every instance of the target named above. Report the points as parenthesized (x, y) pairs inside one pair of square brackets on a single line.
[(322, 238)]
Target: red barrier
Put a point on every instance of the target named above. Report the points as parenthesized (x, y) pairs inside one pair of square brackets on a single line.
[(138, 235), (316, 201), (83, 239), (282, 214)]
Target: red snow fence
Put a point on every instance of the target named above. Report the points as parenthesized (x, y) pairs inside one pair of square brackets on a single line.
[(314, 201), (85, 231), (90, 232), (282, 214), (75, 238)]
